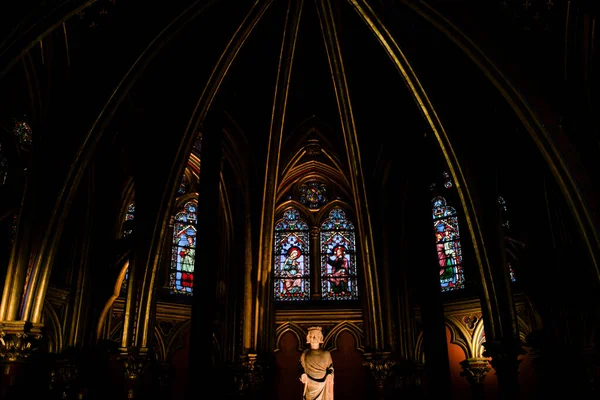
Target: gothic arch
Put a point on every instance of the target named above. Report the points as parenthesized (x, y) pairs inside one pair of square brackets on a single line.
[(459, 335), (160, 345), (53, 329), (176, 341), (332, 336), (293, 328)]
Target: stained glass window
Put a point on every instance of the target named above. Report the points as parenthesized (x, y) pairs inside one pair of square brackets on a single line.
[(183, 251), (447, 242), (22, 131), (3, 168), (183, 185), (506, 226), (511, 273), (292, 258), (128, 217), (447, 180), (338, 258), (313, 194)]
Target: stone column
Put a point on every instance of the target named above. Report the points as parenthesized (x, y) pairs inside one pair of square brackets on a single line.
[(475, 371), (430, 297), (315, 277), (202, 370)]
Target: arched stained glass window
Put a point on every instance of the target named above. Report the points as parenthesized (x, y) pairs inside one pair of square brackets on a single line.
[(447, 242), (338, 258), (292, 258), (183, 250)]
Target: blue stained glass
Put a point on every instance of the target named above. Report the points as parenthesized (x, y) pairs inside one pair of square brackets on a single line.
[(183, 250), (291, 258), (338, 258), (337, 221), (183, 185), (449, 251), (291, 221)]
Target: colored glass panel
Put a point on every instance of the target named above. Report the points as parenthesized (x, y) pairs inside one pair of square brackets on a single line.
[(129, 215), (22, 131), (313, 194), (338, 258), (447, 241), (183, 250), (183, 186), (291, 258)]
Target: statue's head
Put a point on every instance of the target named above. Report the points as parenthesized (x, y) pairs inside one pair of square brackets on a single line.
[(315, 334)]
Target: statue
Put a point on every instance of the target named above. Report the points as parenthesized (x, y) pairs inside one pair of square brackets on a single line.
[(318, 368)]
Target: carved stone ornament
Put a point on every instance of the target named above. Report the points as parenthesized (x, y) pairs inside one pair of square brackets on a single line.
[(134, 366), (62, 378), (17, 346), (475, 370), (505, 355), (381, 367), (313, 148), (248, 373)]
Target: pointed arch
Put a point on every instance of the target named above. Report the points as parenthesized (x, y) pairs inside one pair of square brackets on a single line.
[(331, 339), (295, 329)]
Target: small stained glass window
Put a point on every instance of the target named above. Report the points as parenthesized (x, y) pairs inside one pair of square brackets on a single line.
[(183, 250), (447, 242), (183, 185), (338, 257), (22, 131), (447, 180), (292, 258), (129, 215), (511, 273), (506, 226), (3, 169), (313, 194)]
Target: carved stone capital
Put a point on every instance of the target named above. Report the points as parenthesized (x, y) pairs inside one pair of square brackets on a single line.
[(134, 366), (250, 373), (18, 339), (63, 377), (504, 355), (475, 370), (380, 365)]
